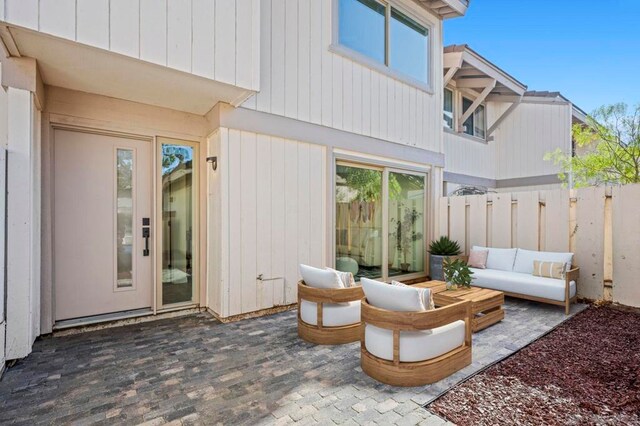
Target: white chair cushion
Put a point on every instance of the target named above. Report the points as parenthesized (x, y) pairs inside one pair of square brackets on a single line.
[(392, 297), (515, 282), (333, 315), (320, 278), (525, 258), (500, 259), (415, 346)]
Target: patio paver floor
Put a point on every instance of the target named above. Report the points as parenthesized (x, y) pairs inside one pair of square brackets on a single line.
[(195, 370)]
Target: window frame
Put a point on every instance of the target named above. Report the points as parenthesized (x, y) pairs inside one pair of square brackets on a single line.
[(410, 11), (453, 108), (385, 167), (458, 101), (473, 127)]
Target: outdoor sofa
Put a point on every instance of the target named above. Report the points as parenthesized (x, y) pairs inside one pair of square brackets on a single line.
[(511, 271)]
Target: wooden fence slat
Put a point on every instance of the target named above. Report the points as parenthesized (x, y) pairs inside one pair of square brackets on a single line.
[(527, 220), (443, 217), (589, 255), (556, 212), (477, 220), (501, 221), (626, 245), (457, 221)]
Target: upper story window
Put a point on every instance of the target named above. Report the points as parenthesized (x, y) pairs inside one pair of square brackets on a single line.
[(447, 114), (386, 35), (476, 124)]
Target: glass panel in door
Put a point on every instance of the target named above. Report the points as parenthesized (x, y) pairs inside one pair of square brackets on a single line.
[(124, 218), (177, 223), (359, 221), (406, 223)]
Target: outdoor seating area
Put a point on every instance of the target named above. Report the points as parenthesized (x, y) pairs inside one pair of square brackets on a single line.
[(195, 369)]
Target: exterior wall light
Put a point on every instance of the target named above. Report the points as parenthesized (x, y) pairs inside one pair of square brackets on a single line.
[(214, 162)]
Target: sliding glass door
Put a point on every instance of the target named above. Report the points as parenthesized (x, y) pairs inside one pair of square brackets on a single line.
[(380, 217)]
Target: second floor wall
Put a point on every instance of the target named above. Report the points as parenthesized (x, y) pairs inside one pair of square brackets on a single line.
[(519, 146), (305, 77)]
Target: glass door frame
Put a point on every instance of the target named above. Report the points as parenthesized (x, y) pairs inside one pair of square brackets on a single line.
[(385, 167), (159, 236)]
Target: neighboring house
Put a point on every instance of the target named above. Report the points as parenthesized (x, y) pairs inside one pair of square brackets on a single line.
[(172, 154), (496, 132)]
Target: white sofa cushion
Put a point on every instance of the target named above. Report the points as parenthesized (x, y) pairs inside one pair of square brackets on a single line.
[(500, 259), (515, 282), (415, 346), (392, 297), (320, 278), (333, 315), (525, 258)]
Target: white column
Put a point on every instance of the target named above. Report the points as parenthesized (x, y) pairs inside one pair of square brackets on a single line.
[(23, 223)]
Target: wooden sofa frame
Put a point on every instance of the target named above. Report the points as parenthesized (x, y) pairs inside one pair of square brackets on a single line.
[(319, 334), (398, 373), (570, 275)]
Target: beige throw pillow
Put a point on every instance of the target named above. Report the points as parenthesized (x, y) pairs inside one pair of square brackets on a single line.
[(549, 269), (346, 277), (478, 259), (426, 297)]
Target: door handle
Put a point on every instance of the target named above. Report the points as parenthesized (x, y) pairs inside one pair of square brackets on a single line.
[(146, 233)]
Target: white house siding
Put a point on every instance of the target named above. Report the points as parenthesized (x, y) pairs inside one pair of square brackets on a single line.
[(272, 195), (215, 39), (527, 135), (302, 79), (470, 157)]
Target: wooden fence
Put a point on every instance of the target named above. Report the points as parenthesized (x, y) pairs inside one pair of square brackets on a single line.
[(601, 225)]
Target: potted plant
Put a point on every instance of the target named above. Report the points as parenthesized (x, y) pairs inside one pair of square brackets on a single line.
[(405, 235), (457, 274), (439, 250)]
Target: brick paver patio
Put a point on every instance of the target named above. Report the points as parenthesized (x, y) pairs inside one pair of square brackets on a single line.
[(195, 370)]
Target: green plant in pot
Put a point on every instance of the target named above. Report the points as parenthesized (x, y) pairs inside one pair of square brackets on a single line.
[(439, 250), (457, 274)]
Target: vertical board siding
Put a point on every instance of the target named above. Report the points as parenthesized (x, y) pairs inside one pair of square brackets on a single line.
[(310, 83), (276, 209), (124, 27), (92, 19), (589, 236), (153, 31), (58, 17), (626, 245), (211, 38)]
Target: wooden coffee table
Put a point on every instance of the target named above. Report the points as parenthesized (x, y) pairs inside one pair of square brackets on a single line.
[(486, 304)]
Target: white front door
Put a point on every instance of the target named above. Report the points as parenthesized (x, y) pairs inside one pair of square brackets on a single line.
[(102, 204)]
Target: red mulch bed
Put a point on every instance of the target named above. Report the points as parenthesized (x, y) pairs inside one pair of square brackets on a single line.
[(587, 371)]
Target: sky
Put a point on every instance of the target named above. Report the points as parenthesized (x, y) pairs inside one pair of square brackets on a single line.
[(589, 50)]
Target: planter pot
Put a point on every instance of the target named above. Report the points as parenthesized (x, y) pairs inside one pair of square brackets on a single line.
[(435, 265), (405, 267)]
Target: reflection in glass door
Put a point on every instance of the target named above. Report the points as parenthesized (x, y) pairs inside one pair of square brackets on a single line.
[(406, 223), (178, 196), (380, 221), (359, 221)]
